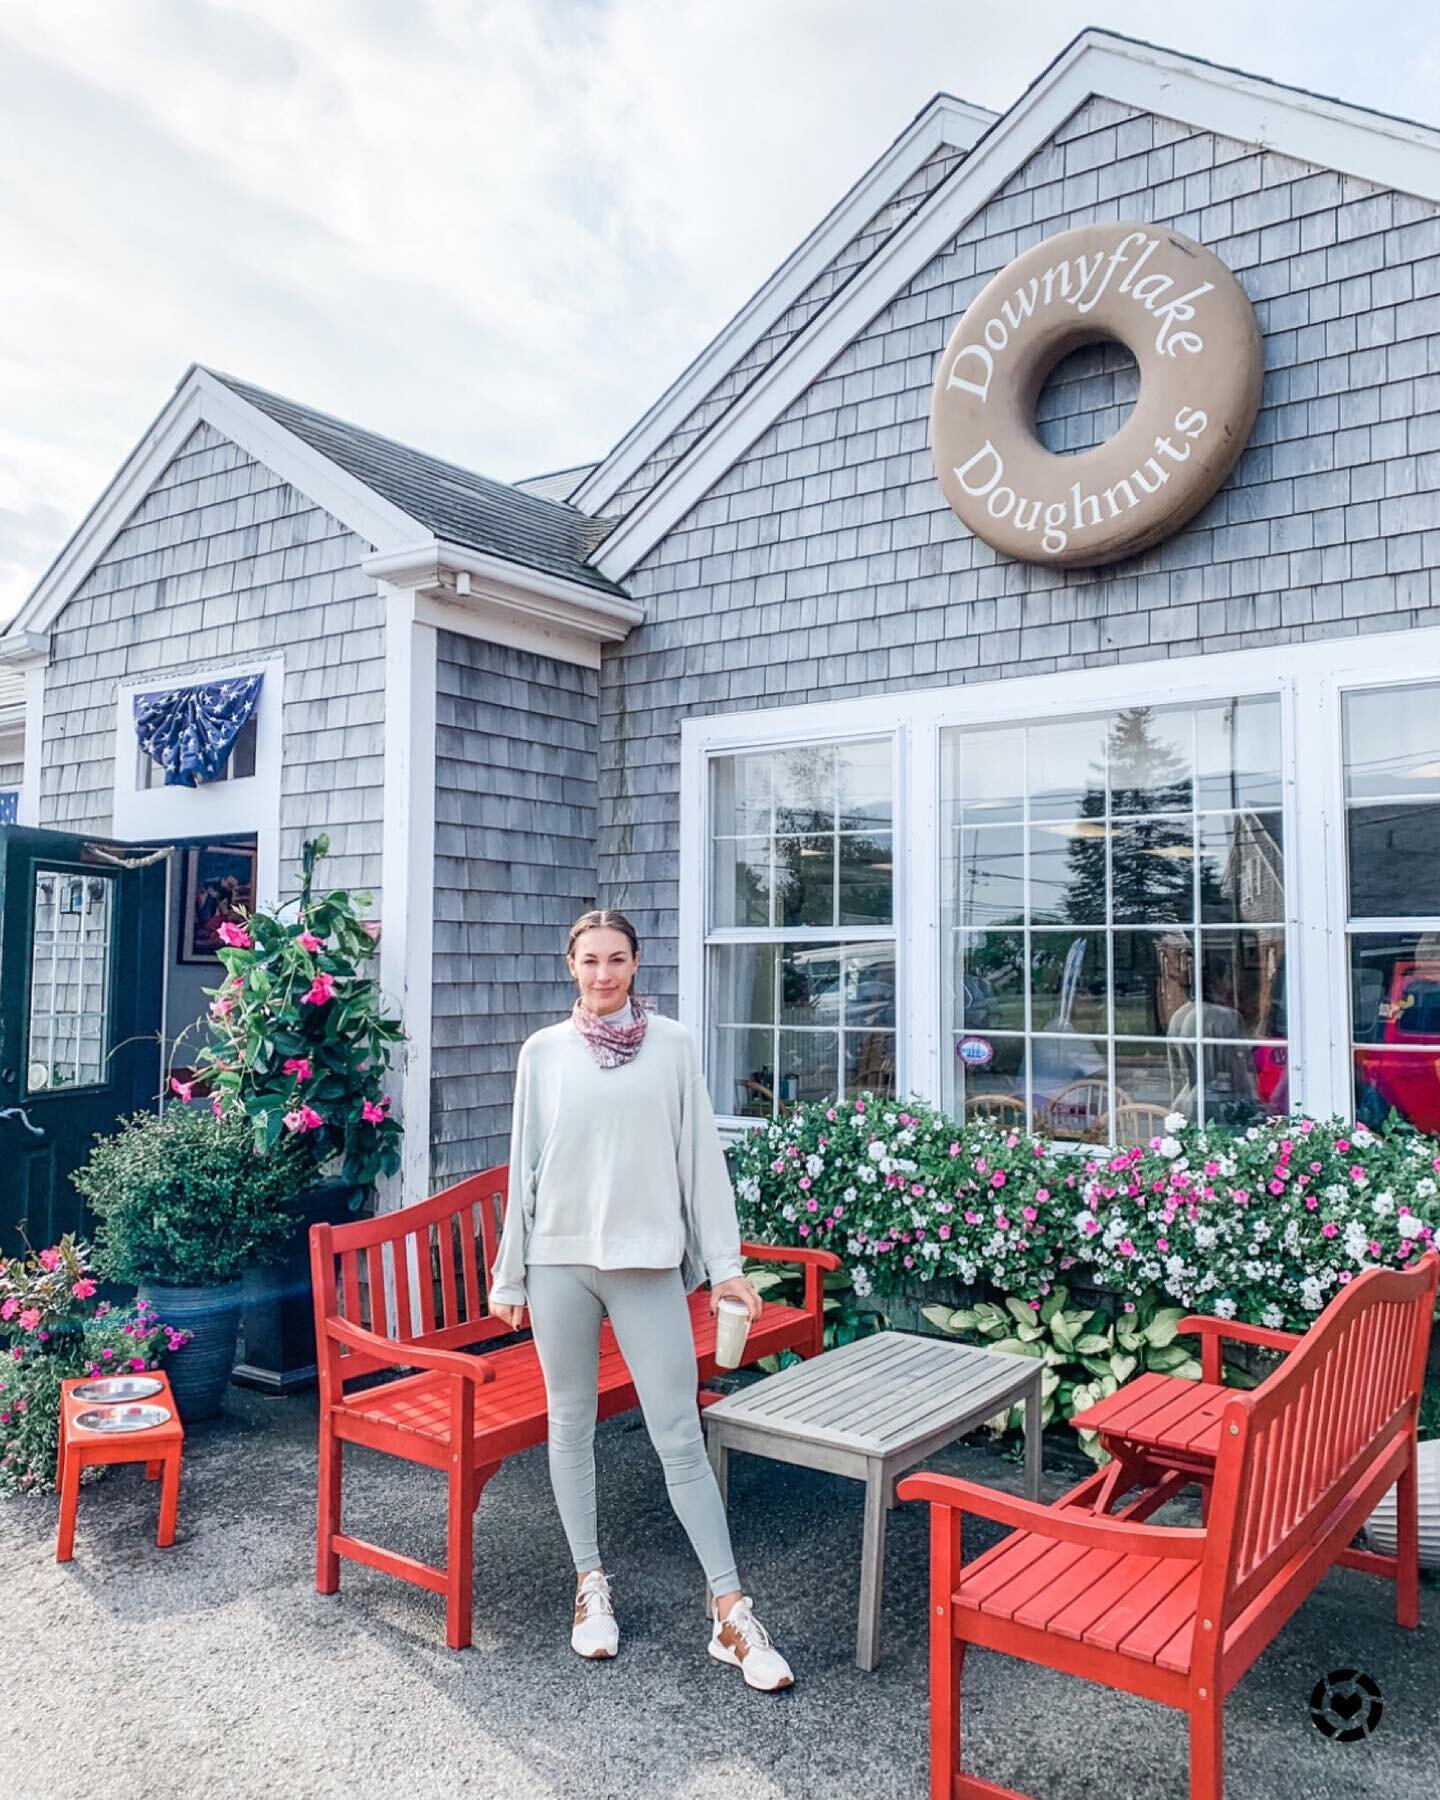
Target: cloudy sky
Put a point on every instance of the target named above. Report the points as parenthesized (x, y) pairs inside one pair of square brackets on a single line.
[(493, 228)]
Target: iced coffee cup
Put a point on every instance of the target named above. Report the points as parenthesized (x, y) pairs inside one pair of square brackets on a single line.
[(732, 1327)]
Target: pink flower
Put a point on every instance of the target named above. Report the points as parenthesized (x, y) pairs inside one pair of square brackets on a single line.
[(944, 1231), (107, 1354), (303, 1118), (299, 1067), (10, 1308), (1374, 1248), (812, 1205), (236, 936), (30, 1318), (373, 1114), (309, 941), (1042, 1194), (322, 988), (185, 1089), (215, 1105), (804, 1183), (50, 1261), (1277, 1187), (222, 1008), (1329, 1229), (997, 1180), (83, 1289), (1342, 1145), (917, 1189), (909, 1262), (1125, 1247), (137, 1363), (804, 1230), (371, 928)]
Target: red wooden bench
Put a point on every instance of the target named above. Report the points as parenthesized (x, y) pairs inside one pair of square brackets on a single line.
[(407, 1291), (1178, 1615)]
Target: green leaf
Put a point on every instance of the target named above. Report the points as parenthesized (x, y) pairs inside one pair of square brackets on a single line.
[(1169, 1359), (1054, 1302), (1122, 1367), (1014, 1346), (1094, 1343), (942, 1318), (1021, 1310), (1162, 1328)]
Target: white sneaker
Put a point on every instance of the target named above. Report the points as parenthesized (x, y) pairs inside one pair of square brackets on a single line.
[(742, 1641), (594, 1634)]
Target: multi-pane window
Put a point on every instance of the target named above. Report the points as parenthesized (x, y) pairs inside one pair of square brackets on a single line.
[(69, 980), (1392, 843), (1113, 914), (800, 937)]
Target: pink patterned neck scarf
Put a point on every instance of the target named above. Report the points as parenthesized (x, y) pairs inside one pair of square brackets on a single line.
[(613, 1046)]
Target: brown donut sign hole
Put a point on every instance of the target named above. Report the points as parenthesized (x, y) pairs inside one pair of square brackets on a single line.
[(1192, 331)]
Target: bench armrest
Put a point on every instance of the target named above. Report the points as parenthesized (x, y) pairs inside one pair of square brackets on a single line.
[(397, 1353), (1061, 1523), (816, 1264), (1212, 1331)]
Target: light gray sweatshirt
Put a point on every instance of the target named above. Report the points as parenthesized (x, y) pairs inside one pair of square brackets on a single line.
[(615, 1168)]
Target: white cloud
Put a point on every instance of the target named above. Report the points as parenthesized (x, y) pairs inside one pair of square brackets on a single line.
[(495, 228)]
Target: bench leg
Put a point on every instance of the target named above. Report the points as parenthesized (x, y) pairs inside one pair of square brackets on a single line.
[(1407, 1547), (154, 1470), (327, 1563), (69, 1502), (1207, 1751), (169, 1499), (1034, 1442), (872, 1569), (460, 1553)]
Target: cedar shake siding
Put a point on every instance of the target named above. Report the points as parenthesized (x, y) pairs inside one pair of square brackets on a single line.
[(515, 826), (220, 561), (826, 564)]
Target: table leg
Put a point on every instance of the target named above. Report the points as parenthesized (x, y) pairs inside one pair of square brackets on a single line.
[(720, 1462), (169, 1500), (1034, 1441), (872, 1568)]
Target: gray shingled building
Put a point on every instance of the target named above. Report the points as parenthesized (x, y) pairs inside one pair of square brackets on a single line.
[(1077, 847)]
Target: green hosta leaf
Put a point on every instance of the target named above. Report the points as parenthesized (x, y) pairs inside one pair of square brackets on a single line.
[(1122, 1367), (1094, 1343), (1032, 1334), (1055, 1358), (1021, 1310), (1162, 1328), (1014, 1346), (1098, 1366), (1128, 1336), (1054, 1303), (987, 1314), (1047, 1412), (1049, 1382), (1062, 1332), (1168, 1360)]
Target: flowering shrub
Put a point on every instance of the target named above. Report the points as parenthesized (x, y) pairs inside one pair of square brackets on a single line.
[(53, 1327), (299, 1039), (1266, 1224)]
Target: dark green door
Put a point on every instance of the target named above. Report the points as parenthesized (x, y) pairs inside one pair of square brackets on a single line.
[(82, 946)]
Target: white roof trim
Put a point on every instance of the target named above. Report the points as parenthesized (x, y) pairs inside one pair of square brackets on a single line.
[(944, 121), (1392, 153), (475, 578), (200, 399)]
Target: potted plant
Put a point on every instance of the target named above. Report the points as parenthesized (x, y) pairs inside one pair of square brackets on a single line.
[(184, 1202), (300, 1042), (54, 1326)]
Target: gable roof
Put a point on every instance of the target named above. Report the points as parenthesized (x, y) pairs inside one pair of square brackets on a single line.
[(414, 510), (557, 484), (455, 504), (943, 121), (1393, 153)]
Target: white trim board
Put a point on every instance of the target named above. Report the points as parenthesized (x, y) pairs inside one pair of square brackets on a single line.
[(1392, 153), (1303, 676), (221, 808), (945, 120)]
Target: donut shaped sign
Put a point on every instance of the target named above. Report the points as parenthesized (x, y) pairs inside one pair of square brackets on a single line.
[(1193, 334)]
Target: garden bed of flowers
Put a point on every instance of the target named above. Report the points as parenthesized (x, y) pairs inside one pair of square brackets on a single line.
[(1265, 1224)]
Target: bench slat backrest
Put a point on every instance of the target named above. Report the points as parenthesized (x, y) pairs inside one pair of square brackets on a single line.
[(1293, 1446), (419, 1275)]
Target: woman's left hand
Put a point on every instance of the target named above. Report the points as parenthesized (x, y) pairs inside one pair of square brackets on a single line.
[(736, 1288)]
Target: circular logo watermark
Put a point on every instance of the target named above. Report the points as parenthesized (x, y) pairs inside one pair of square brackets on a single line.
[(1346, 1705)]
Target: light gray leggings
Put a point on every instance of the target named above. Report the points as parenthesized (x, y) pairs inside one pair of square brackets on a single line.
[(652, 1327)]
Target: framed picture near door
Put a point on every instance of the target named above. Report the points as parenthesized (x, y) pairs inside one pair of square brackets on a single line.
[(219, 888)]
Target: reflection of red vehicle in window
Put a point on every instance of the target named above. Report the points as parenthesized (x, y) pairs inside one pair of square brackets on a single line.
[(1272, 1077), (1407, 1018)]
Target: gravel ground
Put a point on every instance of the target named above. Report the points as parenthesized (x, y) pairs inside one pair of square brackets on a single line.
[(215, 1669)]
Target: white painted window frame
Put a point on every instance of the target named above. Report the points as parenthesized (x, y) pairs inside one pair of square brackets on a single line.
[(1309, 680), (248, 805)]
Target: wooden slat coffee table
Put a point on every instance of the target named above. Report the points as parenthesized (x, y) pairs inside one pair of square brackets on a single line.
[(870, 1410)]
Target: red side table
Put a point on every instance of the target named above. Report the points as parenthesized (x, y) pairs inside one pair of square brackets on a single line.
[(157, 1446)]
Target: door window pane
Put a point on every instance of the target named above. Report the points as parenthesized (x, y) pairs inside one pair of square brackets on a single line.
[(805, 881), (990, 875), (1392, 743), (1242, 975), (1394, 854), (990, 785), (742, 1071), (867, 880), (69, 980), (805, 789), (992, 980), (1151, 760), (1066, 773), (1069, 982), (1152, 871), (990, 1079), (1237, 754), (1405, 1081), (740, 882), (1067, 872), (1154, 976), (863, 785), (809, 1067), (869, 1062)]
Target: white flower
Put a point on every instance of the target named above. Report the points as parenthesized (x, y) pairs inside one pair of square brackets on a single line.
[(849, 1196), (876, 1151), (1410, 1226), (814, 1165), (1383, 1203), (1425, 1188), (1312, 1294), (1224, 1309), (1272, 1317), (1356, 1240), (1169, 1146), (1254, 1271), (787, 1212), (1175, 1121), (859, 1280), (1205, 1236)]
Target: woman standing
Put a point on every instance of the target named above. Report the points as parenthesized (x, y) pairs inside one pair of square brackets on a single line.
[(620, 1203)]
